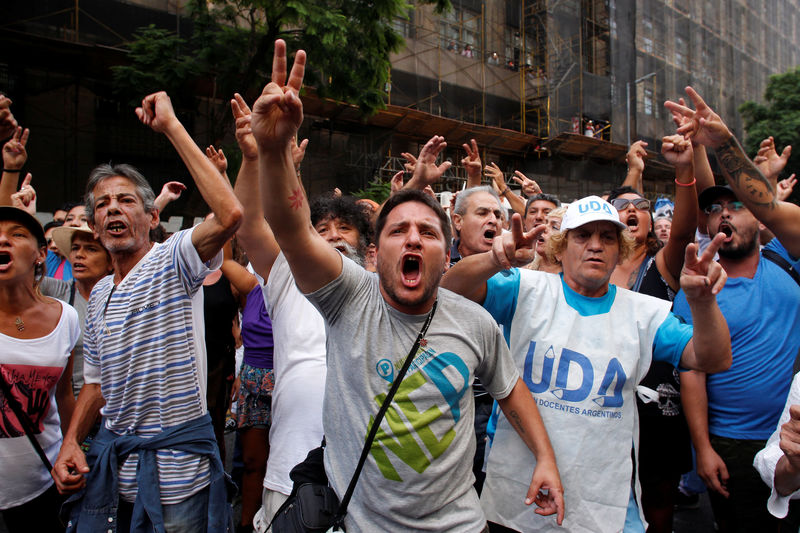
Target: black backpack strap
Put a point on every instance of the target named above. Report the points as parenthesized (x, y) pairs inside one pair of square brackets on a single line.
[(339, 520), (781, 261), (72, 293)]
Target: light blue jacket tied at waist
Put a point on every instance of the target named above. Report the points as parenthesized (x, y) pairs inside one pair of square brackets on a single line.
[(95, 507)]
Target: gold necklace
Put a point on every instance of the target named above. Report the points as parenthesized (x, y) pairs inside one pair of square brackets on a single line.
[(20, 324)]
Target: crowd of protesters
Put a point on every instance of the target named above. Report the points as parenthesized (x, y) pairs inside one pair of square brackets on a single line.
[(581, 365)]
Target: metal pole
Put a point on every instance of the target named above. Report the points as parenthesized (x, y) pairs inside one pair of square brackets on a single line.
[(628, 109)]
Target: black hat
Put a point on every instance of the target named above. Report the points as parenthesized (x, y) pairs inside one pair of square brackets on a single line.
[(710, 194), (8, 212)]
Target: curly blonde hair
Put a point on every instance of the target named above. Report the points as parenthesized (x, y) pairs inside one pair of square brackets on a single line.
[(557, 243)]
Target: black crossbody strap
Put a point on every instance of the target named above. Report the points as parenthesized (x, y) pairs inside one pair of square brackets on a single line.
[(779, 260), (24, 421), (379, 417)]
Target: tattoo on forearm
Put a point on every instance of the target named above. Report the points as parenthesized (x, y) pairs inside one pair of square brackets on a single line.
[(743, 175), (296, 198), (516, 421)]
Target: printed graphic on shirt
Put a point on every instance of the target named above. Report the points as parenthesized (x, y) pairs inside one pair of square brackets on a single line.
[(442, 379), (564, 380), (30, 385)]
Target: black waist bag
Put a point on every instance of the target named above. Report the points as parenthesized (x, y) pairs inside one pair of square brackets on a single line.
[(312, 506)]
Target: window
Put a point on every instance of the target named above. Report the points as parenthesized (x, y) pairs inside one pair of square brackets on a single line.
[(460, 31), (681, 53), (647, 35), (647, 101)]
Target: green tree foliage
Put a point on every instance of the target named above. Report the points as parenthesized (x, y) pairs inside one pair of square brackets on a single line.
[(229, 49), (376, 190), (778, 117)]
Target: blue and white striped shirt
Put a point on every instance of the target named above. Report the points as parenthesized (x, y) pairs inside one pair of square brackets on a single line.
[(140, 345)]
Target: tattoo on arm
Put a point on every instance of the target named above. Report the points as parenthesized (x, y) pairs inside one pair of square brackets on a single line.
[(296, 198), (516, 421), (634, 274), (744, 177)]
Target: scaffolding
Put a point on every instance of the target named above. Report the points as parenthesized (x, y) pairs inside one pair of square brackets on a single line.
[(517, 75), (518, 65)]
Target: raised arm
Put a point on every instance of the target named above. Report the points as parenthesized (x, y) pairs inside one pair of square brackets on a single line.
[(218, 158), (170, 192), (8, 124), (277, 115), (209, 237), (529, 186), (14, 158), (769, 162), (785, 188), (701, 280), (426, 171), (254, 234), (516, 203), (25, 198), (749, 184), (702, 168), (472, 163), (678, 151), (635, 158), (511, 249)]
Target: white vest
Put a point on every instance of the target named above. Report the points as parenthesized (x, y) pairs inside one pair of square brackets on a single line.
[(582, 372)]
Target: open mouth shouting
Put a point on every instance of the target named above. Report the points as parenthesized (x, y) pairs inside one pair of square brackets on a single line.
[(632, 222), (5, 261), (727, 229), (411, 265), (489, 234), (116, 227)]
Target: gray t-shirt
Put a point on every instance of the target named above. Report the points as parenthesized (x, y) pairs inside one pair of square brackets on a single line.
[(61, 290), (419, 473)]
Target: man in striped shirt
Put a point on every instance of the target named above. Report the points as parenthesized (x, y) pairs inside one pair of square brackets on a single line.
[(144, 362)]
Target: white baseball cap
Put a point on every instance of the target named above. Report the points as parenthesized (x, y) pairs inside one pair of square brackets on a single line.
[(589, 209)]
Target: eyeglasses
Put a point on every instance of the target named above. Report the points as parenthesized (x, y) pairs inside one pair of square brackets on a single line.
[(713, 209), (620, 204)]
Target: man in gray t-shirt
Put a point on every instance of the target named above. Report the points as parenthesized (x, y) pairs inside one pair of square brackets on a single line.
[(418, 476)]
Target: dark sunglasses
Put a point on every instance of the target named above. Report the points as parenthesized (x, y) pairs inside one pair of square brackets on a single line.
[(713, 209), (620, 204)]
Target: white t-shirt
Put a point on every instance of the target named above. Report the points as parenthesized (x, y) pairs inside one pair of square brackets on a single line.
[(767, 459), (32, 368), (299, 368)]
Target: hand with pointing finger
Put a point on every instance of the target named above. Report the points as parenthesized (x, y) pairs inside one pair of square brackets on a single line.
[(785, 188), (278, 112), (426, 171), (702, 277), (529, 186), (25, 198), (703, 125), (472, 163), (515, 248)]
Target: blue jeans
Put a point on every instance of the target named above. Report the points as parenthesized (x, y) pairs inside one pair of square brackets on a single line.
[(188, 516)]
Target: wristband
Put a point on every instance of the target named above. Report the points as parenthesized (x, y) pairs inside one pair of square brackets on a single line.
[(690, 184), (503, 193), (12, 170)]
